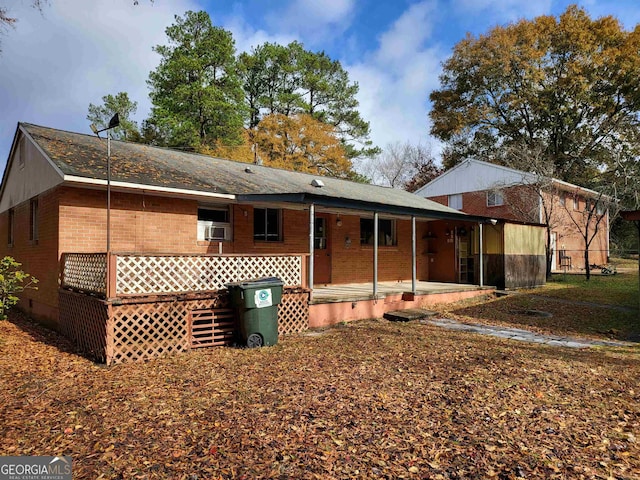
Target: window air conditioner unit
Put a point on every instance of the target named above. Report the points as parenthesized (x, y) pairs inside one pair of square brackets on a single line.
[(216, 233)]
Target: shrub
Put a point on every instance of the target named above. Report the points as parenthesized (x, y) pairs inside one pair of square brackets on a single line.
[(12, 281)]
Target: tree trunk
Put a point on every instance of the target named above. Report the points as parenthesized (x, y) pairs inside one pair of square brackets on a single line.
[(586, 263), (549, 253), (638, 226)]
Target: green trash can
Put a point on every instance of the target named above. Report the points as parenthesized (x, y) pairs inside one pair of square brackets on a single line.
[(256, 303)]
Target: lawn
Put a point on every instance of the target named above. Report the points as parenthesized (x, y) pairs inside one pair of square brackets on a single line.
[(370, 399), (603, 307), (619, 289)]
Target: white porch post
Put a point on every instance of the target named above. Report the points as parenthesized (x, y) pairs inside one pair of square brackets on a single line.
[(312, 224), (375, 255), (481, 259), (413, 255)]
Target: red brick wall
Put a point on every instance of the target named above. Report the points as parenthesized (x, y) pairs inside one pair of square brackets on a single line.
[(354, 263), (570, 239), (521, 204), (167, 225), (37, 258)]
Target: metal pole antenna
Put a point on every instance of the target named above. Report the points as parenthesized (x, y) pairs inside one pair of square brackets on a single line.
[(108, 192)]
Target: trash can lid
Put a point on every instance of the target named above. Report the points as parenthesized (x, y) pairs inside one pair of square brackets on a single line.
[(257, 283)]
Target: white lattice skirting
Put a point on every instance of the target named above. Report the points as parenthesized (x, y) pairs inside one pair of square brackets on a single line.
[(147, 275)]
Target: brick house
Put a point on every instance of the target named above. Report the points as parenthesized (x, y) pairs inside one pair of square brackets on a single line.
[(180, 226), (486, 189)]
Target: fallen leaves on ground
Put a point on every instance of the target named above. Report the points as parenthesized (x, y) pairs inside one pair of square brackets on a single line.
[(365, 400)]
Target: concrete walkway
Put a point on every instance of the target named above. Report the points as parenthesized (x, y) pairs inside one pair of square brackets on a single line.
[(523, 335)]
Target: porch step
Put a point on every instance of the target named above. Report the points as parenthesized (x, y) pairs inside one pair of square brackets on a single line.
[(410, 314)]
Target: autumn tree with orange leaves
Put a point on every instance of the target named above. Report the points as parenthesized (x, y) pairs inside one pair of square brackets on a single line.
[(301, 143)]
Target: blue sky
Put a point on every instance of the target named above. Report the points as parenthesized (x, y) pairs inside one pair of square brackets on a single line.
[(54, 64)]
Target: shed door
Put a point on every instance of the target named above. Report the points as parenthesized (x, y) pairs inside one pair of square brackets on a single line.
[(322, 250)]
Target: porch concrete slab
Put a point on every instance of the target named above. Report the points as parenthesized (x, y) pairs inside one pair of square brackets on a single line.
[(521, 335), (409, 314), (352, 292)]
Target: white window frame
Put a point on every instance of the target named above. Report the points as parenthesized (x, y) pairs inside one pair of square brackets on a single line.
[(455, 201), (495, 199), (205, 227)]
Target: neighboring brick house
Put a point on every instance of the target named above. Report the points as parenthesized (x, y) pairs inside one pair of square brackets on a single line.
[(486, 189)]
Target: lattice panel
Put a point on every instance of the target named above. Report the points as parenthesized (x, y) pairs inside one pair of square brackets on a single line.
[(293, 312), (145, 330), (211, 327), (83, 320), (141, 331), (85, 271), (144, 274)]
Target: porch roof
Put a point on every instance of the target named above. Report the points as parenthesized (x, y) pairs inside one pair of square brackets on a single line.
[(81, 159)]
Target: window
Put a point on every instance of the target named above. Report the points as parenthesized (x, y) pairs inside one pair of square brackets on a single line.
[(562, 198), (455, 201), (386, 232), (600, 208), (267, 224), (11, 226), (214, 224), (33, 220), (576, 202), (494, 199)]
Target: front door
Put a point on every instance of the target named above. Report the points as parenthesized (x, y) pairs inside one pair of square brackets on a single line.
[(322, 250)]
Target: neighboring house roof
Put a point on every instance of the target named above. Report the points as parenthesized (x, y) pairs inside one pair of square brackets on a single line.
[(473, 175), (80, 159)]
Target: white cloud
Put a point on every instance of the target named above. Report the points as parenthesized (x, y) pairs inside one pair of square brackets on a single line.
[(626, 11), (501, 11), (246, 37), (395, 80), (407, 35), (55, 63), (313, 20)]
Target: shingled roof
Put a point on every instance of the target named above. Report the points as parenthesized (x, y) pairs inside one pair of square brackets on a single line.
[(83, 156)]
